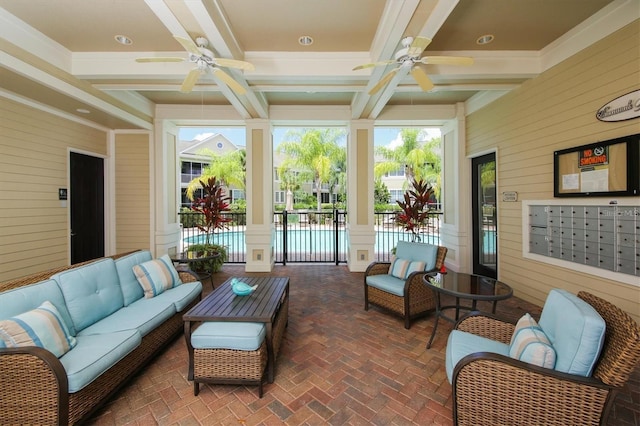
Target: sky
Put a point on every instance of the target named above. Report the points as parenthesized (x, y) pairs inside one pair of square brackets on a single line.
[(383, 136)]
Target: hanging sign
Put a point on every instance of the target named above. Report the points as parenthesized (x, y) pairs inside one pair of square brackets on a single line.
[(625, 107)]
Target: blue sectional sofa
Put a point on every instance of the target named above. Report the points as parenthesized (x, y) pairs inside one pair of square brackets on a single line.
[(100, 329)]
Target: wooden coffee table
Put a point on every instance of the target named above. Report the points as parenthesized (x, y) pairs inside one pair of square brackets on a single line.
[(267, 304), (464, 286)]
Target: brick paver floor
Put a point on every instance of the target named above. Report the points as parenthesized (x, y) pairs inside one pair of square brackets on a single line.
[(339, 365)]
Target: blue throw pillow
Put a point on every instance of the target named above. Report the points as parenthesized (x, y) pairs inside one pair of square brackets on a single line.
[(531, 345), (156, 276), (42, 327)]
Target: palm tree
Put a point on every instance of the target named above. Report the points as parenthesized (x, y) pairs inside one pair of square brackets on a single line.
[(229, 169), (314, 152), (420, 161)]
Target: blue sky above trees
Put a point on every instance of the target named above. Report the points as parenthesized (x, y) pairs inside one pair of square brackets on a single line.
[(383, 136)]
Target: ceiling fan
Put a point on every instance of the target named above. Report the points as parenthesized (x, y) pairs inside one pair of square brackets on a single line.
[(205, 62), (409, 56)]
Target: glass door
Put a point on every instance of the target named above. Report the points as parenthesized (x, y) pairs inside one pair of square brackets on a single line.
[(485, 217)]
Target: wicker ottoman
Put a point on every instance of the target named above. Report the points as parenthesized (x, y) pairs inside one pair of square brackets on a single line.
[(229, 353)]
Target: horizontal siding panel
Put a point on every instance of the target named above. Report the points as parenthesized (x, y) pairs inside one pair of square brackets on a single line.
[(34, 150)]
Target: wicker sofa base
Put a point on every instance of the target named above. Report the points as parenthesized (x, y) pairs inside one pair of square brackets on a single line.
[(34, 383), (229, 366), (83, 403), (419, 305)]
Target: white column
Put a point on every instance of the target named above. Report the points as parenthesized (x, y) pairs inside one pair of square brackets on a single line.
[(360, 230), (455, 231), (260, 231), (166, 188)]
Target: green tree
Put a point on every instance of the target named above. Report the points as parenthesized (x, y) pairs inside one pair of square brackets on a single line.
[(420, 161), (229, 168), (381, 193), (315, 153)]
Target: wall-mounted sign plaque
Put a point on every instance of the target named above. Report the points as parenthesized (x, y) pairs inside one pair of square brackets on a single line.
[(625, 107)]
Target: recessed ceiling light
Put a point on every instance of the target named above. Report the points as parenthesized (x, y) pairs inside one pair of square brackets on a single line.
[(306, 40), (123, 39), (485, 39), (83, 111)]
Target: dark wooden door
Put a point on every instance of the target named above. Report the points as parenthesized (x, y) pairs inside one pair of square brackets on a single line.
[(86, 195), (485, 216)]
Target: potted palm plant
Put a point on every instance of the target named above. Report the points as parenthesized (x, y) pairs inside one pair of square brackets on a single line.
[(212, 205), (415, 208)]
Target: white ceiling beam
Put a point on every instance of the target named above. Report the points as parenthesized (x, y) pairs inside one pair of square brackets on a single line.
[(167, 18), (217, 29), (62, 86), (395, 18), (437, 17), (174, 26)]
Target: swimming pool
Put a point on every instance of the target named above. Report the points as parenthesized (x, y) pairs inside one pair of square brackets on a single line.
[(311, 240)]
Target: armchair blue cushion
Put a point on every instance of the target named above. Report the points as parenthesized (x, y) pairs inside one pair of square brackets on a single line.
[(418, 251), (576, 331)]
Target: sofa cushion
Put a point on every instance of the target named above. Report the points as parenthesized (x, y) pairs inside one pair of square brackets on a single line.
[(26, 298), (91, 292), (182, 295), (96, 353), (131, 290), (530, 344), (43, 327), (427, 253), (387, 283), (461, 344), (576, 331), (156, 276), (244, 336), (398, 267), (143, 315)]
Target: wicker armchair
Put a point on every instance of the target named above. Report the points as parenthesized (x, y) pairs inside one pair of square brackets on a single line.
[(492, 389), (418, 299)]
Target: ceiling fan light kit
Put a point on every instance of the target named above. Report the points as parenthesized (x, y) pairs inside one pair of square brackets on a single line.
[(409, 56), (205, 62)]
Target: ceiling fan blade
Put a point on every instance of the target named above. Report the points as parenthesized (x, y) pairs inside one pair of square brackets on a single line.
[(190, 80), (422, 79), (373, 64), (447, 60), (383, 81), (229, 81), (418, 46), (160, 59), (188, 45), (234, 63)]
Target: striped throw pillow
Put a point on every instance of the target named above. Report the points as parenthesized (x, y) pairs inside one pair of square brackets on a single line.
[(156, 276), (43, 327), (399, 267), (530, 344), (415, 266)]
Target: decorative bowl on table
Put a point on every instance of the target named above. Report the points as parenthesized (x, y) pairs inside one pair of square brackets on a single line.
[(242, 289)]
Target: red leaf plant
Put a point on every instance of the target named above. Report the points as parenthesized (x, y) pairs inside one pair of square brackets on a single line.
[(212, 205), (415, 208)]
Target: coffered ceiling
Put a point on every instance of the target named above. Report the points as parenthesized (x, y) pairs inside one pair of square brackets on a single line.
[(63, 54)]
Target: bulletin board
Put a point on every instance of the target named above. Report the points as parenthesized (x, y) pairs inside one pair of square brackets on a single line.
[(608, 168)]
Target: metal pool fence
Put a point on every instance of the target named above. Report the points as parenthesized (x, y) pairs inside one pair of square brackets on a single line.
[(306, 236)]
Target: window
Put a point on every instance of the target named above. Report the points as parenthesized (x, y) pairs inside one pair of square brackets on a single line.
[(395, 195), (237, 194), (399, 172)]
